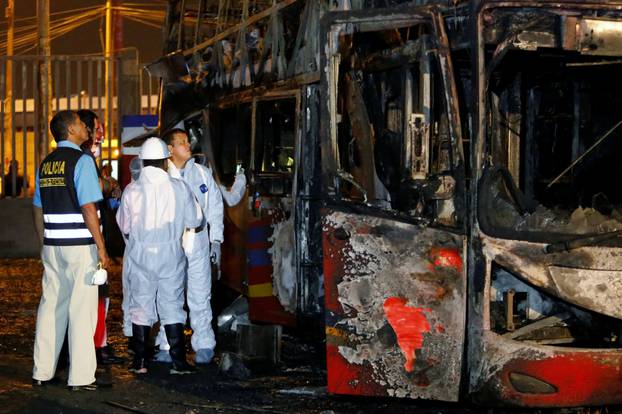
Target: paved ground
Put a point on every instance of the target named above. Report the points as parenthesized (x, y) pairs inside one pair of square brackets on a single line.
[(205, 392)]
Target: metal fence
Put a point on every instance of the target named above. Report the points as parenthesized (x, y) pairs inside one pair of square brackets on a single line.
[(76, 82)]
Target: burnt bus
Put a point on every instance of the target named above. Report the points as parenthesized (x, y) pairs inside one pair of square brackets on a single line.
[(434, 184)]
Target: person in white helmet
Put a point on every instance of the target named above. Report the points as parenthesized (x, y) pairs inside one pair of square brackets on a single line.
[(201, 245), (135, 167), (154, 213)]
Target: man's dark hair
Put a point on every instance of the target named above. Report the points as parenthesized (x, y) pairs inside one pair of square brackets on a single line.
[(88, 117), (168, 137), (156, 163), (60, 123)]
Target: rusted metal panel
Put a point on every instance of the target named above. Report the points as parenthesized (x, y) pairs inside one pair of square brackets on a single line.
[(362, 134), (395, 298), (450, 88), (588, 277)]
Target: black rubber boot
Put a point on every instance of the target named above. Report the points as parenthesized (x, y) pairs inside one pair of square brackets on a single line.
[(175, 337), (105, 356), (140, 335)]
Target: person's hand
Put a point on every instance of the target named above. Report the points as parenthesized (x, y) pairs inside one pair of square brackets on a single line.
[(116, 193), (215, 253), (114, 184), (103, 257)]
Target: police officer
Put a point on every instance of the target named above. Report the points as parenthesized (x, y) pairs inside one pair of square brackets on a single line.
[(206, 243), (67, 190), (153, 214)]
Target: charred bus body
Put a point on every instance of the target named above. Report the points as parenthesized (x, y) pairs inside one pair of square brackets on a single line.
[(432, 182)]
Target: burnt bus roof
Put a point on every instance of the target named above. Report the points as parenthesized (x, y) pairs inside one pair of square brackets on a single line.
[(187, 89)]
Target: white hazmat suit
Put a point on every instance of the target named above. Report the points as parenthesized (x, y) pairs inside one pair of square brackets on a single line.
[(135, 167), (199, 280), (154, 212)]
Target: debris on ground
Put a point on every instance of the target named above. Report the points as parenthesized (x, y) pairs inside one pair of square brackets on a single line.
[(233, 314), (232, 366), (211, 390), (308, 391)]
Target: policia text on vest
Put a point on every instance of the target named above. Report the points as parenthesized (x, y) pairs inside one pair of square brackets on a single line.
[(51, 168)]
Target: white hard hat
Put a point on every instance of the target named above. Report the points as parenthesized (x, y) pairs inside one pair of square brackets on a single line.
[(153, 149)]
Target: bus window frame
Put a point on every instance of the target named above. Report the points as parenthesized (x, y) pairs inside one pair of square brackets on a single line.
[(335, 24), (275, 96)]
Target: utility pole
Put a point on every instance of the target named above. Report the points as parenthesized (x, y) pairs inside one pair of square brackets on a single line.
[(109, 72), (9, 13), (44, 102), (119, 62)]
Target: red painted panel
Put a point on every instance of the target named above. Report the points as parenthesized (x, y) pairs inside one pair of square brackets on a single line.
[(580, 377), (446, 258), (233, 263), (344, 378), (395, 302), (266, 309), (269, 310), (409, 324), (332, 249), (259, 274)]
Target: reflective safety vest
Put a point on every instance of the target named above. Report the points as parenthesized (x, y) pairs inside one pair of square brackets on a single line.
[(62, 216)]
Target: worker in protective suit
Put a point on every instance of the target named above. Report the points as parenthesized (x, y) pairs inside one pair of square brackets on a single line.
[(135, 167), (200, 246), (154, 213)]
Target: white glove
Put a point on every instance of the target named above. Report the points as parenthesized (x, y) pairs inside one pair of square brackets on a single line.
[(215, 253), (100, 276)]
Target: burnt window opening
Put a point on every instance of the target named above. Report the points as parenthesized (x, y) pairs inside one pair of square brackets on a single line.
[(274, 158), (275, 135), (521, 312), (231, 132), (545, 110), (393, 135)]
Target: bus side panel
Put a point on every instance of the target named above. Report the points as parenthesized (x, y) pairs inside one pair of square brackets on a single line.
[(528, 375), (234, 268), (263, 306), (395, 307), (247, 264)]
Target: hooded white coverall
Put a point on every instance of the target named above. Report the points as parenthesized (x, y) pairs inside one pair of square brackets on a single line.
[(154, 212), (199, 275), (135, 167)]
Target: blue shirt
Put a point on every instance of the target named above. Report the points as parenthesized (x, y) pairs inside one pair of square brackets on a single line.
[(84, 177)]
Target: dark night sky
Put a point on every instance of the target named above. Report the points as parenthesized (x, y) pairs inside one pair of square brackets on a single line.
[(86, 38)]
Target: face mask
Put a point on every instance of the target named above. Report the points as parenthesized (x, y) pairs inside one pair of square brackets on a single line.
[(96, 150)]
